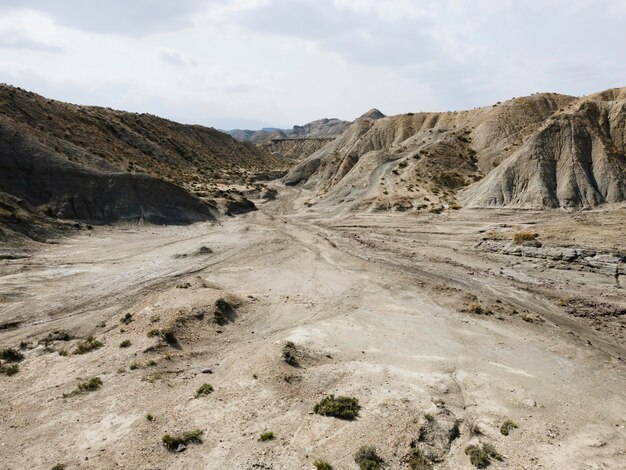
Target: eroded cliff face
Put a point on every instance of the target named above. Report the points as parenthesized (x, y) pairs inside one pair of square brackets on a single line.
[(541, 151)]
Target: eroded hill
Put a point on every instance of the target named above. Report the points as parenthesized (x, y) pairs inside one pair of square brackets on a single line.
[(541, 151), (98, 165)]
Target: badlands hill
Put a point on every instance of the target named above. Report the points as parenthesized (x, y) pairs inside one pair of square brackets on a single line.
[(541, 151), (297, 142), (98, 165)]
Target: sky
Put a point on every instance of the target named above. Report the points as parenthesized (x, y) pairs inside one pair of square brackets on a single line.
[(259, 63)]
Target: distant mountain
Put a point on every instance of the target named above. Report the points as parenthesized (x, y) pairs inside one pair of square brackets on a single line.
[(322, 128), (541, 151)]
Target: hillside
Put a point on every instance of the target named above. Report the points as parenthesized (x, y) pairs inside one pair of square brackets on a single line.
[(541, 151), (295, 143), (99, 165)]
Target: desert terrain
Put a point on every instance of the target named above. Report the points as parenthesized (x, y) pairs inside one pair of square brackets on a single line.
[(381, 307), (420, 291)]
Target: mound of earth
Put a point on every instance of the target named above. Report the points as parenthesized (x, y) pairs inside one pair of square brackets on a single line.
[(544, 150)]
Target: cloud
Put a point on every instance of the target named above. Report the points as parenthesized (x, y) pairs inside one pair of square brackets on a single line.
[(14, 38), (28, 31), (176, 58), (126, 17)]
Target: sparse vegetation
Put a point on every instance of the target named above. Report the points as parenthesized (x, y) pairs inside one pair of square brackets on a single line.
[(11, 355), (174, 442), (289, 354), (9, 369), (507, 426), (367, 458), (477, 309), (321, 464), (57, 335), (90, 385), (126, 319), (166, 335), (266, 436), (90, 344), (524, 236), (125, 344), (338, 407), (418, 461), (150, 417), (428, 417), (223, 311), (204, 390), (481, 458), (59, 466)]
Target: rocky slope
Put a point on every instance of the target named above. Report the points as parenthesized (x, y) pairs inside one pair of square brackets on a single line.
[(98, 165), (541, 151), (297, 142), (320, 129)]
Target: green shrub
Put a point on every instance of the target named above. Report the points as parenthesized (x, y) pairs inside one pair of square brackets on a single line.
[(367, 458), (481, 458), (90, 385), (321, 464), (57, 335), (9, 369), (11, 355), (126, 319), (125, 344), (204, 390), (338, 407), (491, 451), (417, 461), (173, 442), (88, 345), (507, 426), (266, 436), (150, 417), (478, 457), (59, 466)]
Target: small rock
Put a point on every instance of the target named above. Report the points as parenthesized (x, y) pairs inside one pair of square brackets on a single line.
[(207, 371), (181, 448)]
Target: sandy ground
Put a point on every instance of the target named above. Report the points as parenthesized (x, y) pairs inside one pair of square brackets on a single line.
[(376, 306)]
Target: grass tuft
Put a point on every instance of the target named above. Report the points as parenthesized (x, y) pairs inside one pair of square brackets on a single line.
[(11, 355), (9, 369), (321, 464), (190, 437), (266, 436), (338, 407), (90, 344), (524, 236), (367, 458), (507, 426), (204, 390), (90, 385)]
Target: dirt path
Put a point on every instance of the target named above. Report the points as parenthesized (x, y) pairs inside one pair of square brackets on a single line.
[(372, 303)]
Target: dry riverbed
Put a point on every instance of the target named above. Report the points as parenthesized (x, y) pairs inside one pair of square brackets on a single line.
[(441, 341)]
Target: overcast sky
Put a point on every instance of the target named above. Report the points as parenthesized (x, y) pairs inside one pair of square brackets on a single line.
[(255, 63)]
